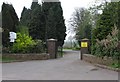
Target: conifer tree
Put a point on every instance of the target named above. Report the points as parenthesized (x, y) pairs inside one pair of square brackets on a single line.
[(46, 21), (36, 26), (55, 24), (25, 17), (9, 22)]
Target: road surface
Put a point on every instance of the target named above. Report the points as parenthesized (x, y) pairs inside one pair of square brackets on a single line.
[(70, 67)]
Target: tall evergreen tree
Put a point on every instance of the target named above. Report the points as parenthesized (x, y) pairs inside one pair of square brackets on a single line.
[(45, 10), (51, 25), (36, 26), (45, 21), (34, 5), (25, 17), (9, 22), (55, 26), (60, 26)]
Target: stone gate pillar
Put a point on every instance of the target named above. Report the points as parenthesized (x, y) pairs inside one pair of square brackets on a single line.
[(52, 48)]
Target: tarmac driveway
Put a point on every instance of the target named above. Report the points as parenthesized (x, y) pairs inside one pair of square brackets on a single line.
[(70, 67)]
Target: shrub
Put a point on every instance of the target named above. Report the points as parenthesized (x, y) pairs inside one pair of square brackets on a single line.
[(39, 47), (25, 44), (107, 47), (22, 44), (23, 29)]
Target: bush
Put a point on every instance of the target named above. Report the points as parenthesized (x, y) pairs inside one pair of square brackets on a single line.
[(22, 44), (39, 47), (107, 47), (5, 50), (25, 44), (96, 49)]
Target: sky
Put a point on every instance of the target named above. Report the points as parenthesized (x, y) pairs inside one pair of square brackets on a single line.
[(67, 5)]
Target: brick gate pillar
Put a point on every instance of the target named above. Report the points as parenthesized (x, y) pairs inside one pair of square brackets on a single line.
[(52, 48)]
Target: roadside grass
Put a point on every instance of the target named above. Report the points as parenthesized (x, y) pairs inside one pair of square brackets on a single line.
[(67, 48), (6, 59), (71, 48), (115, 64)]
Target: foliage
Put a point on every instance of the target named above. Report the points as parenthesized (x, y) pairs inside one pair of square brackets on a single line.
[(115, 64), (81, 21), (76, 46), (0, 32), (51, 25), (23, 29), (0, 20), (9, 22), (36, 24), (55, 24), (96, 9), (103, 28), (107, 47), (7, 59), (22, 43), (60, 52), (34, 19), (107, 19), (25, 44), (45, 21), (105, 38), (39, 47), (118, 20), (71, 45), (25, 17)]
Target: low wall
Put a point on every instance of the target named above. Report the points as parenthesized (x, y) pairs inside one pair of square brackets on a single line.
[(97, 60), (33, 56)]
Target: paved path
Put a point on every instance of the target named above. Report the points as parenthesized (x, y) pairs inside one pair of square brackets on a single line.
[(67, 68)]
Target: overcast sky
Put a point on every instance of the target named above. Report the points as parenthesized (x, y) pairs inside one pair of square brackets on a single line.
[(67, 5)]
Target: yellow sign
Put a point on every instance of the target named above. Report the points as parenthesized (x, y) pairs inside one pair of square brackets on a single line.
[(84, 44)]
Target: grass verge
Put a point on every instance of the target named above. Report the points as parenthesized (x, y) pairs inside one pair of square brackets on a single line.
[(115, 64), (6, 59)]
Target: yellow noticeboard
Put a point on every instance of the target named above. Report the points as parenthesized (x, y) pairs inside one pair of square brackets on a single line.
[(84, 44)]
